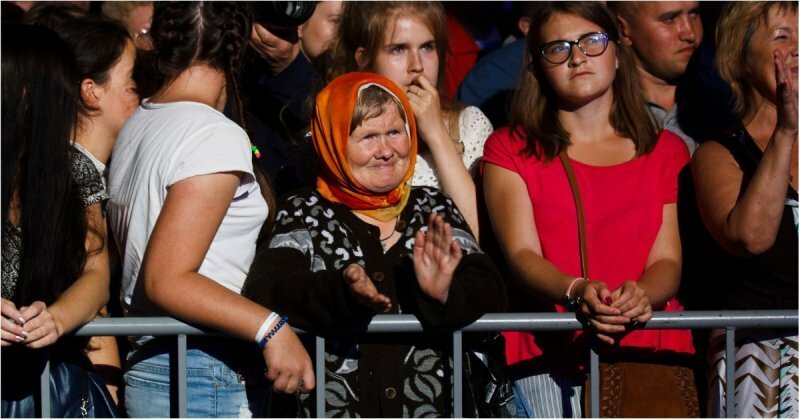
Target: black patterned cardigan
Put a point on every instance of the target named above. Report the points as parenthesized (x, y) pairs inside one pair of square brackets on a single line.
[(299, 274)]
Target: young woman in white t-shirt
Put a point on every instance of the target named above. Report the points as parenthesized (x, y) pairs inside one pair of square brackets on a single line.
[(186, 211)]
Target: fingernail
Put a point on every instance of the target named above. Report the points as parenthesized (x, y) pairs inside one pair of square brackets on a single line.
[(25, 333), (21, 320), (607, 300), (19, 339)]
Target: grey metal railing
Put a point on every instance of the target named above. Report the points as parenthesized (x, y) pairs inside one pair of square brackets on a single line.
[(730, 320)]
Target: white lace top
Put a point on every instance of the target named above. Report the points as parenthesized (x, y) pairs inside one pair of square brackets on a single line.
[(474, 128)]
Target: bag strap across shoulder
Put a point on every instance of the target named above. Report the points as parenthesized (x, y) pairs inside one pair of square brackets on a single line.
[(576, 194)]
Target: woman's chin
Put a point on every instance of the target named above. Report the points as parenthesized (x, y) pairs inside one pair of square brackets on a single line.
[(382, 188), (381, 180)]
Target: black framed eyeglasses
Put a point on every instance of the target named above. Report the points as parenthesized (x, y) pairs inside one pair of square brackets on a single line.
[(592, 44)]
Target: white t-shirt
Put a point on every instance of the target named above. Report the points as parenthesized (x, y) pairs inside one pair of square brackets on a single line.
[(160, 145), (474, 128)]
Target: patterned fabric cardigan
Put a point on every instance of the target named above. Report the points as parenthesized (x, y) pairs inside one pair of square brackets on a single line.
[(378, 375)]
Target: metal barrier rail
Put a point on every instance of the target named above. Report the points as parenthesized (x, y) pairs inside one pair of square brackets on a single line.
[(730, 320)]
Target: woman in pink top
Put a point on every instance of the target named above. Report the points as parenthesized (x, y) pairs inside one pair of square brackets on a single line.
[(572, 101)]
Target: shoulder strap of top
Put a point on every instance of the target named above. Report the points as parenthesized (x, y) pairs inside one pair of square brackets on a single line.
[(746, 153)]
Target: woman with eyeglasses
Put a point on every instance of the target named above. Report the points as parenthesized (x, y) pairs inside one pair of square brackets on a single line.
[(579, 107)]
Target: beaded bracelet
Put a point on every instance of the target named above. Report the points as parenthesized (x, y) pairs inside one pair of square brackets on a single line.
[(265, 326), (272, 332)]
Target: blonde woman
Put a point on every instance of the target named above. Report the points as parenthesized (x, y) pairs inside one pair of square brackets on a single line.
[(746, 187)]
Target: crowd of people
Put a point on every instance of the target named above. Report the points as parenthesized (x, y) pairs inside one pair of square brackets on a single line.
[(249, 168)]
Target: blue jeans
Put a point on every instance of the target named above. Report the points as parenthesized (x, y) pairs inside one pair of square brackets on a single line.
[(225, 378)]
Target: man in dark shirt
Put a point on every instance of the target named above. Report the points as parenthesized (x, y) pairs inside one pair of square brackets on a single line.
[(667, 41)]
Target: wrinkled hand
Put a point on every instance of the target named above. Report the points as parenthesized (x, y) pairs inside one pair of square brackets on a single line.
[(436, 256), (424, 100), (288, 364), (279, 51), (42, 327), (364, 291), (596, 305), (11, 325), (786, 96), (632, 302)]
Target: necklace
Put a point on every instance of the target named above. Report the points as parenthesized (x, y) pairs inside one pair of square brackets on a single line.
[(392, 232)]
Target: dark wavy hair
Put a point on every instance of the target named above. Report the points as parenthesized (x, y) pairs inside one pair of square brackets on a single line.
[(216, 33), (97, 44), (39, 100), (534, 111)]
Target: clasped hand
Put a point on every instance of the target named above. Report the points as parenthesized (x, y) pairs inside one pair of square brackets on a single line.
[(436, 256), (613, 312), (33, 326)]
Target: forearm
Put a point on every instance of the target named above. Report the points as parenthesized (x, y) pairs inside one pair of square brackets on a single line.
[(80, 303), (753, 222), (197, 299), (454, 178), (660, 282), (539, 276)]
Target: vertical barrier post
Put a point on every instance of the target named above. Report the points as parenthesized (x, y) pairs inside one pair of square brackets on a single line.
[(183, 395), (458, 353), (594, 382), (44, 382), (319, 356), (730, 373)]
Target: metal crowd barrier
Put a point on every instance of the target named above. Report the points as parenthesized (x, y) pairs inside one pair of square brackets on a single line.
[(730, 320)]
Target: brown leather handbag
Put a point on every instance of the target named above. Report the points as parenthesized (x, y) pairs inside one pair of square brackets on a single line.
[(636, 385)]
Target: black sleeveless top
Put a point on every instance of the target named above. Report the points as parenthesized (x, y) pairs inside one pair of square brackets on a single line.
[(768, 280)]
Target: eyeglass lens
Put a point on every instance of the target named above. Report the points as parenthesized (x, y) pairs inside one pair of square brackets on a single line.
[(592, 45)]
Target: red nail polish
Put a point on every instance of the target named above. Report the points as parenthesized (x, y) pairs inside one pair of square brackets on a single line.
[(607, 301)]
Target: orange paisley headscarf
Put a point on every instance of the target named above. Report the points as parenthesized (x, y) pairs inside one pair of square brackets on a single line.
[(330, 130)]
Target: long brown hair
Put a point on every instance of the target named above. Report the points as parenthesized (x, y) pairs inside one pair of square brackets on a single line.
[(534, 111), (364, 24)]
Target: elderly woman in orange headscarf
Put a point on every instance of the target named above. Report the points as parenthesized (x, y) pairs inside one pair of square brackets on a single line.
[(365, 242)]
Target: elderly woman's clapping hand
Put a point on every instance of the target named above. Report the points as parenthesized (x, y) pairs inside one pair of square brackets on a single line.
[(436, 256), (363, 289)]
